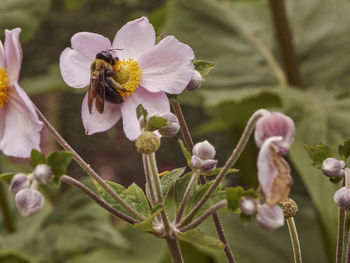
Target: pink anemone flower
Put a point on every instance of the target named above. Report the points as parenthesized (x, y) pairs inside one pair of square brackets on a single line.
[(146, 70), (19, 124)]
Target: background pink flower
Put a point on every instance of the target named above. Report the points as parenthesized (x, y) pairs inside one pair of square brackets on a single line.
[(166, 68), (19, 124)]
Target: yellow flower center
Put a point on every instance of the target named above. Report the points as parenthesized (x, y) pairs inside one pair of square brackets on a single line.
[(128, 74), (3, 87)]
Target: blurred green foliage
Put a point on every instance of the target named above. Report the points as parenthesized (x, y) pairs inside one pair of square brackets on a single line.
[(238, 37)]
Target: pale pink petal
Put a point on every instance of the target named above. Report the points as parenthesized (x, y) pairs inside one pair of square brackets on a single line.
[(89, 44), (270, 217), (22, 127), (2, 122), (167, 67), (134, 38), (275, 124), (13, 55), (97, 122), (75, 68), (2, 56), (273, 172), (152, 102)]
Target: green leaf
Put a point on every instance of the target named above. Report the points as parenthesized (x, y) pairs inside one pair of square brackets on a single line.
[(36, 158), (185, 152), (141, 111), (180, 187), (318, 154), (344, 150), (203, 66), (133, 195), (217, 170), (234, 195), (155, 123), (168, 180), (195, 236), (245, 219), (215, 197), (59, 161), (7, 177), (147, 225)]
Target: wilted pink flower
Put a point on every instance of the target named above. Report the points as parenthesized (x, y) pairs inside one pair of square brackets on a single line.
[(275, 124), (273, 172), (19, 124), (151, 72)]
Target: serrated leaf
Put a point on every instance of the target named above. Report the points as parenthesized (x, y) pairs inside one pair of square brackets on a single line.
[(195, 236), (7, 177), (133, 195), (155, 123), (147, 225), (180, 187), (203, 66), (234, 195), (36, 158), (217, 170), (318, 154), (59, 161), (168, 180), (344, 150), (141, 111), (185, 152)]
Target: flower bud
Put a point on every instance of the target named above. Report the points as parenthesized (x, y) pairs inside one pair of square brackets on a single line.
[(331, 167), (209, 165), (18, 182), (204, 150), (29, 201), (270, 217), (196, 162), (274, 125), (342, 198), (42, 173), (195, 81), (248, 206), (172, 128), (289, 208), (148, 142)]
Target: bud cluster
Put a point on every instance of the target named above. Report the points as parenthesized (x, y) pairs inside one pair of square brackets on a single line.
[(27, 198), (169, 130), (202, 158), (333, 168)]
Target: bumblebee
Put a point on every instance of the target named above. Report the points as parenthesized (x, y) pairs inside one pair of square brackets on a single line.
[(102, 86)]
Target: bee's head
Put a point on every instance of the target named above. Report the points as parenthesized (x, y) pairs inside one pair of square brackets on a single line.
[(106, 56)]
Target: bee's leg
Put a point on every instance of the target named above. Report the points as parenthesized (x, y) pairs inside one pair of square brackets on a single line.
[(110, 73), (115, 84)]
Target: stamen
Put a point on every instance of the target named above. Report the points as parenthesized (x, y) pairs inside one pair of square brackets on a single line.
[(128, 74), (3, 87)]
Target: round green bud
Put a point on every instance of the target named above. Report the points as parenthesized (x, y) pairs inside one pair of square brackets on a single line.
[(148, 142)]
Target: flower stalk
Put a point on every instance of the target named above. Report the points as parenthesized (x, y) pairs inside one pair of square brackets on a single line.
[(294, 239), (340, 233), (229, 163), (87, 168)]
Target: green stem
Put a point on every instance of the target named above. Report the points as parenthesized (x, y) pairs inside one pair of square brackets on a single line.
[(229, 163), (187, 194), (295, 240), (5, 210), (86, 167), (284, 37)]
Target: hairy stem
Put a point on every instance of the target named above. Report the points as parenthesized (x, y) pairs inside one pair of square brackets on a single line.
[(70, 180), (294, 239), (187, 195), (148, 178), (86, 167), (341, 229), (285, 40), (210, 211), (229, 163), (6, 210), (189, 143), (153, 165), (174, 248)]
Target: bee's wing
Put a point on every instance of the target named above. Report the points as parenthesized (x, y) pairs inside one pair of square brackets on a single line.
[(91, 94), (96, 84)]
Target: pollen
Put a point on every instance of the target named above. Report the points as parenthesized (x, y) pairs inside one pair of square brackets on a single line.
[(3, 87), (128, 74)]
